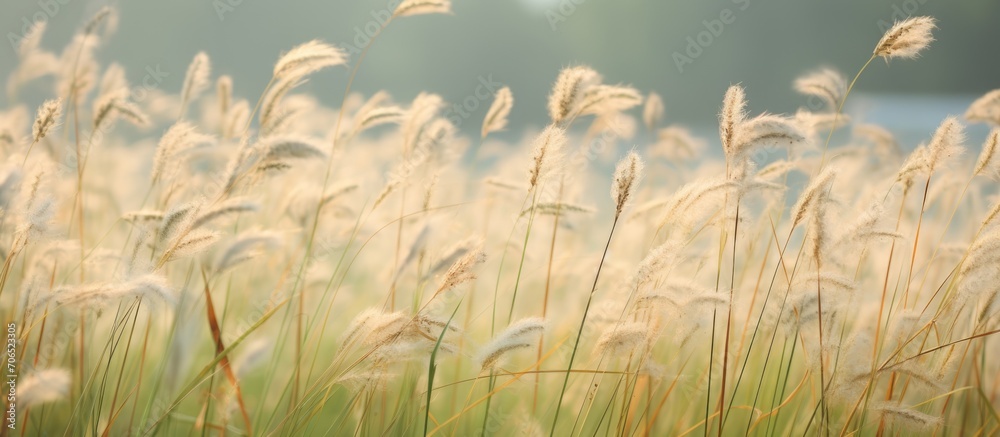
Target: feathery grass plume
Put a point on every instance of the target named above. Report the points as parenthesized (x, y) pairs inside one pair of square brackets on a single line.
[(451, 255), (177, 219), (622, 339), (907, 418), (652, 112), (36, 221), (659, 259), (143, 216), (628, 173), (410, 8), (237, 117), (438, 135), (884, 141), (692, 201), (224, 94), (147, 287), (547, 151), (106, 15), (814, 194), (31, 40), (731, 119), (462, 271), (42, 386), (109, 107), (557, 208), (992, 215), (826, 83), (220, 210), (271, 110), (399, 175), (866, 227), (281, 147), (47, 119), (813, 123), (246, 246), (984, 251), (307, 58), (946, 143), (914, 164), (985, 109), (422, 111), (677, 144), (190, 243), (521, 334), (134, 263), (196, 80), (905, 39), (178, 138), (987, 158), (765, 131), (361, 325), (113, 81), (570, 86), (376, 112), (496, 117), (417, 247), (607, 99), (337, 192)]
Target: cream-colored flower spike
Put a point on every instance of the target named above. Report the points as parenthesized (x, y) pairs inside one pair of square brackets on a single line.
[(907, 38), (419, 7)]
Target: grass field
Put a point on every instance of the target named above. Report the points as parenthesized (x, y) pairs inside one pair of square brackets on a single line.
[(214, 260)]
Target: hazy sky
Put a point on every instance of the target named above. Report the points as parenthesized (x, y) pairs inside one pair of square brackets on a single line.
[(688, 51)]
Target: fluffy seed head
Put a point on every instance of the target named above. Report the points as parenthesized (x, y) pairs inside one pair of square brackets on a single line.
[(570, 86), (827, 84), (622, 339), (607, 99), (652, 113), (947, 142), (47, 119), (985, 109), (306, 59), (987, 158), (906, 38), (419, 7), (463, 270), (731, 118), (496, 117), (519, 335), (907, 417), (814, 194), (196, 79), (42, 386), (547, 150), (628, 173)]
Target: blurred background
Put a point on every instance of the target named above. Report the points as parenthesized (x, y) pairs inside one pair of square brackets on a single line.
[(687, 51)]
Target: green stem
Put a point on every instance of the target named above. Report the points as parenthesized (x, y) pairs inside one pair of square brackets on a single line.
[(840, 108), (583, 321)]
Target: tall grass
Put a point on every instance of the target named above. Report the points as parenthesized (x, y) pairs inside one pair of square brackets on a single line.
[(213, 266)]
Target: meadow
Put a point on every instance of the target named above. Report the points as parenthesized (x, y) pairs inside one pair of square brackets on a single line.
[(215, 260)]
